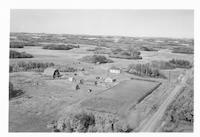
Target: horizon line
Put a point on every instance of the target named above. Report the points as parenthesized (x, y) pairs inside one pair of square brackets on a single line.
[(107, 35)]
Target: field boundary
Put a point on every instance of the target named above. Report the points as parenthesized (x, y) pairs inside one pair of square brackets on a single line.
[(144, 80), (144, 96), (148, 93), (100, 111)]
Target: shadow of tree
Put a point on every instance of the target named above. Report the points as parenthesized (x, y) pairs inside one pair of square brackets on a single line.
[(15, 93)]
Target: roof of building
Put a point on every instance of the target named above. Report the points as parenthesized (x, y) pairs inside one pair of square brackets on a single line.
[(108, 78), (50, 71), (114, 67)]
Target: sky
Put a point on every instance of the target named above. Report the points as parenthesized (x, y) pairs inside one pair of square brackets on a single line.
[(148, 23)]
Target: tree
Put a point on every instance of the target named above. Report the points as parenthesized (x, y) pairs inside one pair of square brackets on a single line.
[(133, 51)]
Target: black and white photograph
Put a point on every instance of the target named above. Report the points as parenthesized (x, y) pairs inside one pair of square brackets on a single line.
[(101, 70)]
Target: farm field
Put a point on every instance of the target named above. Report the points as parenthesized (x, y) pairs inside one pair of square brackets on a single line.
[(124, 95)]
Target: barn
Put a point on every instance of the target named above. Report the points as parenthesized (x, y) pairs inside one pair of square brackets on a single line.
[(52, 72)]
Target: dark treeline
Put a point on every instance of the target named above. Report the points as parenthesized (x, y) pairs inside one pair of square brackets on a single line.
[(29, 66), (15, 54)]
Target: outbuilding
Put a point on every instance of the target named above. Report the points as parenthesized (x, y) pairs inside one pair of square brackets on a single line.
[(108, 80), (71, 79), (77, 87), (89, 90), (53, 72), (115, 70)]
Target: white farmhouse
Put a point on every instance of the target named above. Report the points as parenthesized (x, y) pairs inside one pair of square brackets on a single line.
[(115, 70)]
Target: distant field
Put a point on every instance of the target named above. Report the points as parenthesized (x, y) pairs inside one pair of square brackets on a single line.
[(117, 98), (63, 56)]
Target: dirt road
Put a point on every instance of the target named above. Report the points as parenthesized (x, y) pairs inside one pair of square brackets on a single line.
[(152, 123)]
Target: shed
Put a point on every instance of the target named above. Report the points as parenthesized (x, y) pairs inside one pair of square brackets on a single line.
[(52, 72), (115, 70), (71, 79), (89, 90), (90, 82)]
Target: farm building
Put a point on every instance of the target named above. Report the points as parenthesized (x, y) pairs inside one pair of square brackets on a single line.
[(115, 70), (52, 72), (90, 82), (108, 80), (89, 90), (71, 79), (81, 81), (77, 87)]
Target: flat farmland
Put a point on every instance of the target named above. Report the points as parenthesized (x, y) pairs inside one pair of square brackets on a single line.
[(122, 96), (66, 57)]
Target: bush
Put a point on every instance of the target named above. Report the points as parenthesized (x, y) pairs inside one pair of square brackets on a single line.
[(184, 50), (125, 54), (15, 54), (75, 122), (144, 70), (60, 47), (82, 121), (171, 64), (162, 65), (90, 122), (178, 63), (96, 59), (133, 51), (29, 66)]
